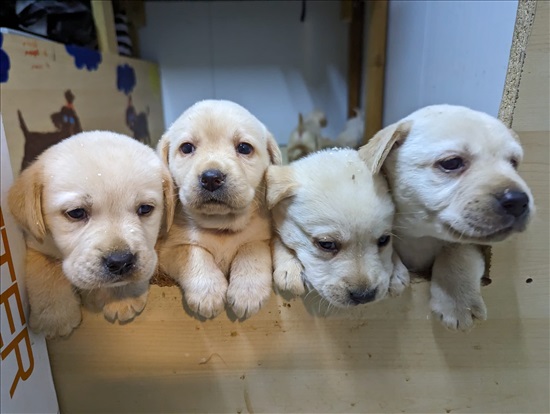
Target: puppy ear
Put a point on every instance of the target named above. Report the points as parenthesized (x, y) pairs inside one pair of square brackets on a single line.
[(162, 149), (170, 195), (375, 152), (301, 127), (280, 184), (25, 201), (275, 156)]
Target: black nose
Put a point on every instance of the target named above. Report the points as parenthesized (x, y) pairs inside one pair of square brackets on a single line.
[(211, 180), (514, 202), (363, 296), (119, 263)]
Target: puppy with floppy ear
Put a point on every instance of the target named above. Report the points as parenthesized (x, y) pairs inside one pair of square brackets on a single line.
[(453, 175), (218, 248), (91, 223), (334, 229)]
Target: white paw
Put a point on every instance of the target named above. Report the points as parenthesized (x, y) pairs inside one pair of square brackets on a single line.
[(57, 320), (400, 279), (457, 313), (288, 276), (247, 295), (124, 309), (208, 299)]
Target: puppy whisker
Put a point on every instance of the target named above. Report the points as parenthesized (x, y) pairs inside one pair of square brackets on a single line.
[(395, 235)]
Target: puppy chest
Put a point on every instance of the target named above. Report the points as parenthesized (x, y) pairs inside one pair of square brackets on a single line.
[(225, 246)]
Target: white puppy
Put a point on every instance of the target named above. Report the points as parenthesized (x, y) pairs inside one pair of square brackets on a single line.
[(334, 220), (307, 136), (352, 135), (217, 153), (453, 175), (91, 208)]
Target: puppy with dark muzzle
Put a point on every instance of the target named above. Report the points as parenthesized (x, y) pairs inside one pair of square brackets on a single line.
[(218, 249), (453, 175), (91, 208)]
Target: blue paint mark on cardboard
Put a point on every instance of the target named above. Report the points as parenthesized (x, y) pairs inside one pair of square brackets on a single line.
[(126, 78), (84, 57), (4, 62)]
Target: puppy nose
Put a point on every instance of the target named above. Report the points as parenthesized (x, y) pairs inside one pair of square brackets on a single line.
[(211, 180), (514, 202), (363, 296), (119, 263)]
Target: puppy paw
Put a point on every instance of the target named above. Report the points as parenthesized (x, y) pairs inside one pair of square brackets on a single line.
[(207, 301), (125, 309), (56, 321), (400, 279), (247, 295), (288, 276), (457, 313)]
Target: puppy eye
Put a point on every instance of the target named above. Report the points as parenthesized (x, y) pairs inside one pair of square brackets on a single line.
[(452, 164), (384, 240), (327, 246), (244, 148), (187, 148), (514, 163), (77, 214), (144, 210)]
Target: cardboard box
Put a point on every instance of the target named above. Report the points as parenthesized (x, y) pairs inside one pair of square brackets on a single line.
[(26, 379)]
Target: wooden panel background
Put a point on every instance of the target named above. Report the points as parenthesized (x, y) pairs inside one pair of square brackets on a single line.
[(291, 357)]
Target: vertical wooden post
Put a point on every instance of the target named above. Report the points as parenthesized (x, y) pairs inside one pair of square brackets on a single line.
[(105, 26), (354, 12), (377, 12)]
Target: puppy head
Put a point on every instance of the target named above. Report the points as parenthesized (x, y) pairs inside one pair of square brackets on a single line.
[(101, 198), (318, 118), (217, 153), (337, 217), (453, 174)]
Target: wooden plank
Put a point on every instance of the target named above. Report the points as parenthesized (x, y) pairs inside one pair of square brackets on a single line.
[(377, 12), (105, 26), (355, 55), (346, 10), (390, 357), (532, 112)]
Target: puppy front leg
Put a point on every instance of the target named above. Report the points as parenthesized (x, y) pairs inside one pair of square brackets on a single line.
[(250, 278), (287, 273), (456, 286), (54, 305), (203, 283), (122, 302), (400, 277)]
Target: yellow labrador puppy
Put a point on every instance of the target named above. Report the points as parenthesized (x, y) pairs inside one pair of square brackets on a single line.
[(333, 217), (217, 153), (91, 208), (453, 175)]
